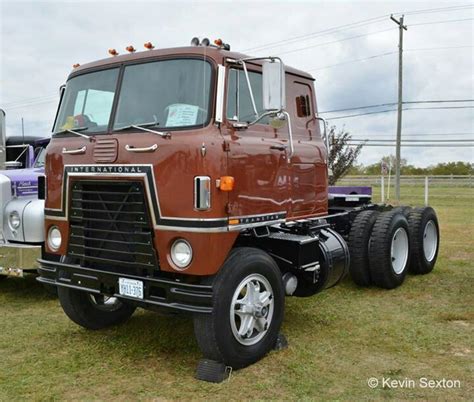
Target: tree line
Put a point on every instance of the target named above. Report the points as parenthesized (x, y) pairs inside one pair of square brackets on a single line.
[(449, 168), (342, 160)]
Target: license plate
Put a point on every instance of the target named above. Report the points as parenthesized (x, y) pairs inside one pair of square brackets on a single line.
[(131, 288)]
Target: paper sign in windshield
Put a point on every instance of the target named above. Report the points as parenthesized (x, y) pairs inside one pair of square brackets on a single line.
[(181, 114)]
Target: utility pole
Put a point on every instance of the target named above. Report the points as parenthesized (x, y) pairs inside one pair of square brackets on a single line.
[(400, 103), (23, 130)]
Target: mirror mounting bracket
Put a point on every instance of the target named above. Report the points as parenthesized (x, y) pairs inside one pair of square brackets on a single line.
[(240, 125)]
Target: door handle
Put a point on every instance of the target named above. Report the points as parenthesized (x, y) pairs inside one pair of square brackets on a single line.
[(279, 147), (74, 151), (151, 148)]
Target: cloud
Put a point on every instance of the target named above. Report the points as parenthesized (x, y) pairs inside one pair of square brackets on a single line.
[(40, 41)]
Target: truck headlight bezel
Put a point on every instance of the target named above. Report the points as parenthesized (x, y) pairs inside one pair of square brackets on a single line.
[(54, 238), (14, 220), (181, 253)]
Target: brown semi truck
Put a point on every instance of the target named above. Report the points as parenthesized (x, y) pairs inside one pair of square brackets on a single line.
[(195, 180)]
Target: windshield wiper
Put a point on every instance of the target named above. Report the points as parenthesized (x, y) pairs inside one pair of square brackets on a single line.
[(76, 132), (143, 127)]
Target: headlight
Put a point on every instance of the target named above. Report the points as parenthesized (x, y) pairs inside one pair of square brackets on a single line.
[(181, 253), (54, 238), (14, 220)]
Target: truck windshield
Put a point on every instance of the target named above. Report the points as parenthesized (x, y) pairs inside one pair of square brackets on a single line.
[(39, 163), (171, 93), (88, 102)]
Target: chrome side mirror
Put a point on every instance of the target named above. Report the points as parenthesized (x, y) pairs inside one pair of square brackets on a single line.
[(273, 81)]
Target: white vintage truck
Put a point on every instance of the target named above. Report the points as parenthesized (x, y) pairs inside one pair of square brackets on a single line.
[(22, 213)]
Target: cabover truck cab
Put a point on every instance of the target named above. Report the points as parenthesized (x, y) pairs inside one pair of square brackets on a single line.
[(195, 180)]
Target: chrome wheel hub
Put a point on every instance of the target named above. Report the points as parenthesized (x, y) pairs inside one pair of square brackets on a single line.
[(251, 309), (105, 303), (430, 241), (399, 250)]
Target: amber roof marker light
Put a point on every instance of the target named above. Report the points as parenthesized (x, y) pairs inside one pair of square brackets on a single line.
[(219, 43), (148, 45), (75, 65), (113, 52), (130, 49)]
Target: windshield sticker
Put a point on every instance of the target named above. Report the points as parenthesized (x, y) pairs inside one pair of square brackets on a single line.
[(181, 114)]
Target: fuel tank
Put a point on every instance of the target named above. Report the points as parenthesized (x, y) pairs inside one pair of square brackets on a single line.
[(318, 258), (331, 266)]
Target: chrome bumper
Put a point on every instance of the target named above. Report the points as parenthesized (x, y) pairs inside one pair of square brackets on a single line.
[(16, 259)]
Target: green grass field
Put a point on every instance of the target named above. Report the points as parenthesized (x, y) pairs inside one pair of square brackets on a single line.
[(337, 339)]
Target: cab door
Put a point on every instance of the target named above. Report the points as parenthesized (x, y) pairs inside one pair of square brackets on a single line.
[(308, 163), (257, 156)]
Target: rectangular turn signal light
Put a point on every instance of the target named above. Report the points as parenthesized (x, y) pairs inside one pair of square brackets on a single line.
[(227, 183)]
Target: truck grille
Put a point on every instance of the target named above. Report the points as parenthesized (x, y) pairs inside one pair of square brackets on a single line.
[(110, 227)]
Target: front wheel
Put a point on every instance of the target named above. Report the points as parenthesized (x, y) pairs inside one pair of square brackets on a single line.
[(93, 311), (248, 309)]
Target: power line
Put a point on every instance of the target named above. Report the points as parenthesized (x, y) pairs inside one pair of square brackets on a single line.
[(357, 108), (441, 101), (336, 41), (436, 10), (393, 110), (394, 103), (438, 48), (352, 61), (403, 141), (440, 22), (356, 24), (323, 32), (417, 145), (384, 54), (33, 104), (409, 135), (440, 107), (362, 114), (28, 101)]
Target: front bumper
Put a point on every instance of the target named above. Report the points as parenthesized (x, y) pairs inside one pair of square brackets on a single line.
[(16, 259), (158, 292)]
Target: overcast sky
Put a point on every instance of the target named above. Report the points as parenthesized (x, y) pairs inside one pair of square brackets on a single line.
[(41, 40)]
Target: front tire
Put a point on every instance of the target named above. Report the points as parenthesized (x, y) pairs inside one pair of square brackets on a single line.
[(93, 311), (248, 309)]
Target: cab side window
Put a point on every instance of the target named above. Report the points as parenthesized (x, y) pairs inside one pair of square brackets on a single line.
[(239, 102), (303, 106)]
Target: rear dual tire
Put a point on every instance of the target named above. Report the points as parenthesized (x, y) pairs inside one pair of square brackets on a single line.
[(389, 256), (359, 238), (424, 240)]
